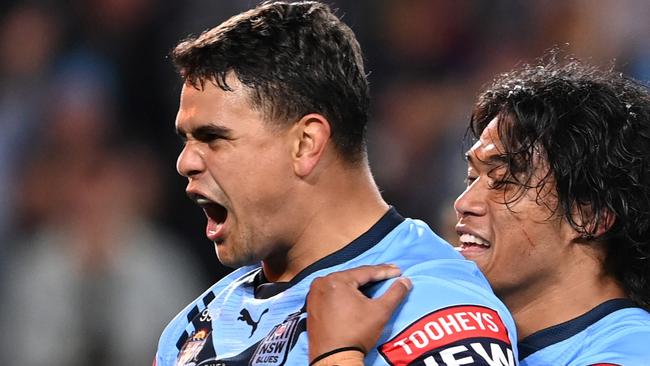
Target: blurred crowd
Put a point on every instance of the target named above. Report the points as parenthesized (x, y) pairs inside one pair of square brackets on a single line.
[(99, 246)]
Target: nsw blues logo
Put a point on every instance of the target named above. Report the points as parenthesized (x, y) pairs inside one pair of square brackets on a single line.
[(274, 348)]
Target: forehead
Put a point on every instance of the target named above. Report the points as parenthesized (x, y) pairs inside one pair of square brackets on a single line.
[(488, 148), (231, 109), (210, 98)]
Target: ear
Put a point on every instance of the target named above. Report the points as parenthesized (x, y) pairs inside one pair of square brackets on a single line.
[(594, 229), (311, 135), (607, 219)]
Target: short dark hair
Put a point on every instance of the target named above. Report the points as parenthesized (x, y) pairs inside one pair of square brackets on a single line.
[(296, 58), (593, 128)]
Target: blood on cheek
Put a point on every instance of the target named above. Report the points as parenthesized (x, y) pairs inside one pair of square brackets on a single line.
[(532, 244)]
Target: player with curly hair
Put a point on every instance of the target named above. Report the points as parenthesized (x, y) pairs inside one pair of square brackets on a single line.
[(556, 213)]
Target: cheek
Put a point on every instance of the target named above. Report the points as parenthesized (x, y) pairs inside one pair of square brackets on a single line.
[(523, 241), (261, 189), (512, 238)]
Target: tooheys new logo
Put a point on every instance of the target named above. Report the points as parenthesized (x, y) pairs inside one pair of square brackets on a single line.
[(457, 335)]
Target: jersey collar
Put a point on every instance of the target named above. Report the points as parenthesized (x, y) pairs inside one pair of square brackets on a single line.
[(390, 220), (558, 333)]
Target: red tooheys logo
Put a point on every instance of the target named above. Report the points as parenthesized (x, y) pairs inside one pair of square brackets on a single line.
[(452, 336)]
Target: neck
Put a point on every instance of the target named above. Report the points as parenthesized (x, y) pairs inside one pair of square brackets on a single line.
[(576, 292), (338, 210)]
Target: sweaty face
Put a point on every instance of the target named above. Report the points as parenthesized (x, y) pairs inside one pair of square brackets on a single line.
[(238, 169), (517, 245)]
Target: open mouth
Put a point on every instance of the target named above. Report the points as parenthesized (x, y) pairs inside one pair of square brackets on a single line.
[(216, 214), (468, 241), (213, 210)]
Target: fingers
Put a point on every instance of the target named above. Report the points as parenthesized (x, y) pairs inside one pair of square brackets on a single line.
[(395, 294), (362, 275), (325, 314)]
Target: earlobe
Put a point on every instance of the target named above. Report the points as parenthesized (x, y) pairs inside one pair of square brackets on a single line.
[(604, 224), (312, 134), (594, 228)]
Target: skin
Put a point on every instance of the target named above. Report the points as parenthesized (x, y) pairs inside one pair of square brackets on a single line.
[(537, 264), (232, 157), (330, 291), (284, 185), (521, 253)]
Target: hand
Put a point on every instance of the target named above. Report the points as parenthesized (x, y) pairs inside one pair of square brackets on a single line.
[(340, 315)]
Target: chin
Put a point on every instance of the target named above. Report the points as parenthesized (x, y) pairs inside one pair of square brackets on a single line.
[(231, 260), (226, 258)]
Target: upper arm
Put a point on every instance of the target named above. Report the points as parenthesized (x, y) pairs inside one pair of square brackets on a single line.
[(444, 322)]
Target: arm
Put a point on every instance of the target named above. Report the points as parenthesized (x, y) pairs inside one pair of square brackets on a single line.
[(336, 300), (343, 358), (449, 318)]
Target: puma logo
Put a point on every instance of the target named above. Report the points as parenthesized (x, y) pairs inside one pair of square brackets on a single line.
[(246, 317)]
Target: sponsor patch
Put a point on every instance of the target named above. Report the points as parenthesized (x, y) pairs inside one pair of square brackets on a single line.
[(457, 335)]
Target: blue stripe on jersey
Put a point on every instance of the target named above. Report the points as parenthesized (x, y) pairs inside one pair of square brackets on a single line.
[(181, 340), (193, 313), (208, 298)]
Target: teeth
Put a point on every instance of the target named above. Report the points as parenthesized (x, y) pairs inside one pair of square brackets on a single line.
[(471, 239), (203, 201)]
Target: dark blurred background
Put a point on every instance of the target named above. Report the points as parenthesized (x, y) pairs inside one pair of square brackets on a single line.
[(99, 247)]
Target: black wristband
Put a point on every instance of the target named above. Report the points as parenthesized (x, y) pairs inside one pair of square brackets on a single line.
[(337, 350)]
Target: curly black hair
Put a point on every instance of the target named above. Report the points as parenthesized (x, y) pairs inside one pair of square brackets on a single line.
[(593, 128), (296, 58)]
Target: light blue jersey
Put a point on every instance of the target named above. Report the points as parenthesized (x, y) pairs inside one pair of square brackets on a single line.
[(616, 332), (451, 317)]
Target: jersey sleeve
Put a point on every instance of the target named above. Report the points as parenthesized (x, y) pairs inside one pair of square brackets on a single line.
[(447, 320)]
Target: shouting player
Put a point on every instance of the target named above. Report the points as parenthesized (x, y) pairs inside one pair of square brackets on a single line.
[(273, 113), (556, 213)]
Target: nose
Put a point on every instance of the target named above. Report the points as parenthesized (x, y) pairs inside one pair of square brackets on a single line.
[(190, 161), (471, 201)]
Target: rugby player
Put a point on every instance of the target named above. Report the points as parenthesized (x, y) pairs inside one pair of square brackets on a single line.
[(556, 213), (273, 113)]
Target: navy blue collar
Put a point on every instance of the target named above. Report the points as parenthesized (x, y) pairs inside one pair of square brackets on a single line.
[(557, 333), (390, 220)]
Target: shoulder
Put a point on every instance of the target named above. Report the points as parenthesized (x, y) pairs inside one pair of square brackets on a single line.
[(449, 314), (415, 230), (444, 335), (441, 285), (167, 345), (451, 310), (621, 338), (411, 242), (617, 338)]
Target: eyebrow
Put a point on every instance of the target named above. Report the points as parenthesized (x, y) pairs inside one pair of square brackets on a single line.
[(210, 129), (491, 160)]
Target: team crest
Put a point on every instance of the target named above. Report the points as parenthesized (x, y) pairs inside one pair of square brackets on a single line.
[(191, 348), (274, 348)]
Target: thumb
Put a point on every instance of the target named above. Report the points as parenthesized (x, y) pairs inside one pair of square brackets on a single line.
[(395, 293)]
